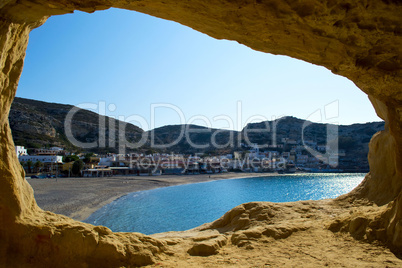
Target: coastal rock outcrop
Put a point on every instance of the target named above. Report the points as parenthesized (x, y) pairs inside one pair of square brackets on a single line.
[(361, 40), (207, 246)]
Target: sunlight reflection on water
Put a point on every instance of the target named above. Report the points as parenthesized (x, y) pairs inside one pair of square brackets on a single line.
[(183, 207)]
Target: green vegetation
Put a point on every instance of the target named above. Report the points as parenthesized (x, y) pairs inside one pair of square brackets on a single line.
[(87, 157), (70, 158), (29, 165), (77, 167), (38, 166)]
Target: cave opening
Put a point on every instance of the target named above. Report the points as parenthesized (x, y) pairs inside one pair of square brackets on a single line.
[(90, 58), (344, 42)]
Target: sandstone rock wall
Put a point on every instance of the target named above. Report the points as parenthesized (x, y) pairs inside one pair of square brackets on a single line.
[(361, 40)]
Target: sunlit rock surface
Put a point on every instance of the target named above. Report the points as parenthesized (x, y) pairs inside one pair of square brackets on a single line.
[(361, 40)]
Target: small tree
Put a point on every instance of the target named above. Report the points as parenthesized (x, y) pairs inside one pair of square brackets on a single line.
[(38, 165), (77, 167), (29, 164), (87, 158), (70, 158)]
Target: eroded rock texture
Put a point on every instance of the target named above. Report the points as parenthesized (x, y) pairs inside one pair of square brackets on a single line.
[(361, 40)]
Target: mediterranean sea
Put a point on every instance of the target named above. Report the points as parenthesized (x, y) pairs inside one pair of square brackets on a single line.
[(179, 208)]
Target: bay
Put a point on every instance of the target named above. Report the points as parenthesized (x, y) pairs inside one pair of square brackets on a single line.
[(183, 207)]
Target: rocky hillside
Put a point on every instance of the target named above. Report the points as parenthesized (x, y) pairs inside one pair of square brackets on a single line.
[(36, 124), (191, 139), (351, 137), (353, 140)]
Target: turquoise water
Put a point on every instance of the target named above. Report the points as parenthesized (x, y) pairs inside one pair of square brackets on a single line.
[(183, 207)]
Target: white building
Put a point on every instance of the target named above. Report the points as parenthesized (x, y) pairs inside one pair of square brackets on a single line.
[(56, 149), (313, 160), (42, 158), (51, 151), (271, 154), (302, 159), (291, 142), (333, 160), (275, 146), (193, 158), (20, 150), (107, 161), (310, 143)]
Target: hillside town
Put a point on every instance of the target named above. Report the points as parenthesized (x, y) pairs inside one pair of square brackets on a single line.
[(57, 162)]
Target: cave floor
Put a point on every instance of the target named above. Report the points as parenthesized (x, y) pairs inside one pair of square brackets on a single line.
[(311, 248), (298, 234)]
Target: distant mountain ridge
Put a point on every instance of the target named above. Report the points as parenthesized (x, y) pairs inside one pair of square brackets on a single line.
[(37, 124), (41, 124), (194, 138)]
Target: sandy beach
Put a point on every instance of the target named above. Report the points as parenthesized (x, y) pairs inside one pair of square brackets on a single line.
[(78, 198)]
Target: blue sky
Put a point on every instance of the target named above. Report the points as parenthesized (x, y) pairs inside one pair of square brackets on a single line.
[(127, 62)]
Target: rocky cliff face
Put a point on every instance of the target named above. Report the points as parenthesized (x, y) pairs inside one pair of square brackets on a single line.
[(38, 124), (33, 123), (361, 40)]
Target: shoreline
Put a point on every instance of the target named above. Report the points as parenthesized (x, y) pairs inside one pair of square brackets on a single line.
[(79, 197)]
